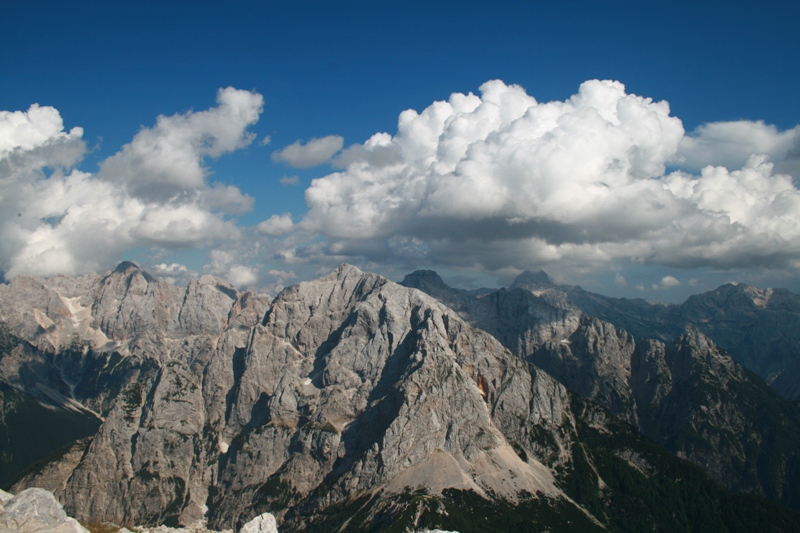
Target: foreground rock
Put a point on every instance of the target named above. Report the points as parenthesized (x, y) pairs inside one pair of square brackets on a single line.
[(36, 510)]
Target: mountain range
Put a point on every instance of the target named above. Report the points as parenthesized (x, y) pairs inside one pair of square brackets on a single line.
[(354, 403)]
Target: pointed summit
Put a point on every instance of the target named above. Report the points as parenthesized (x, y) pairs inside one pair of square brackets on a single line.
[(128, 268), (346, 269), (125, 266)]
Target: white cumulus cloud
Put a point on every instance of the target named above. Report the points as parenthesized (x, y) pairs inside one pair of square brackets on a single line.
[(277, 225), (729, 144), (499, 180), (168, 159), (314, 152), (667, 282), (26, 130), (225, 265), (153, 193)]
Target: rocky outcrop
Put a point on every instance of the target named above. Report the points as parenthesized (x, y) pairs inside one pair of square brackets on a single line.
[(693, 397), (595, 362), (759, 328), (521, 319)]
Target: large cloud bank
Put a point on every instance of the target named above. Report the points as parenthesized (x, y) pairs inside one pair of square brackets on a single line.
[(490, 182), (153, 193), (501, 181)]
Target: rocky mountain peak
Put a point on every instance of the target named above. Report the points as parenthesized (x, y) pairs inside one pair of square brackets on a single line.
[(352, 390), (693, 348), (128, 268), (350, 385), (346, 270)]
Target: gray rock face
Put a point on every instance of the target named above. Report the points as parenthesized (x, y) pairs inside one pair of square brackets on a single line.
[(595, 362), (53, 475), (520, 318), (347, 385), (36, 511), (126, 310), (133, 350), (688, 395), (354, 384), (760, 328)]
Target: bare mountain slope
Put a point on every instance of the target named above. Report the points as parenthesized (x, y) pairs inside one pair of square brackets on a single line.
[(349, 403)]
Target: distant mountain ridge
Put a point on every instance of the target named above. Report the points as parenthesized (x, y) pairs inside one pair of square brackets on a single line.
[(760, 328), (669, 379), (349, 403)]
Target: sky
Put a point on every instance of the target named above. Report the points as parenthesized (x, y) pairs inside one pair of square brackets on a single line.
[(638, 149)]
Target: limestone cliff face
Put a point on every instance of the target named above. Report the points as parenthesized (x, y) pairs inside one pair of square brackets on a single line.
[(219, 408), (595, 362), (355, 384), (134, 351), (759, 328)]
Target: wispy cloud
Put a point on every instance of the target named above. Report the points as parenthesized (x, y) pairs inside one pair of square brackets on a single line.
[(314, 152)]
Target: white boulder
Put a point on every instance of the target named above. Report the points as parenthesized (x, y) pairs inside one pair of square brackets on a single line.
[(264, 523)]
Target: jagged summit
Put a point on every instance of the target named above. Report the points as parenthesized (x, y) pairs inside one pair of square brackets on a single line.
[(347, 268)]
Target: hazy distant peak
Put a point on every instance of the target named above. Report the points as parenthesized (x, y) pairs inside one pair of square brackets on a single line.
[(532, 279), (427, 278)]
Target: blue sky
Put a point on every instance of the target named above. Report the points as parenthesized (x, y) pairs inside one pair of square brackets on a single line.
[(206, 190)]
